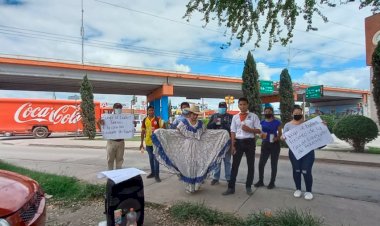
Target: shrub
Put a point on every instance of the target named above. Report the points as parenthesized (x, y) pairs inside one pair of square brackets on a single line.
[(329, 119), (357, 130)]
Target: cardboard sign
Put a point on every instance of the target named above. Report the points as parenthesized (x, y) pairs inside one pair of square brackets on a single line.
[(308, 136), (117, 126)]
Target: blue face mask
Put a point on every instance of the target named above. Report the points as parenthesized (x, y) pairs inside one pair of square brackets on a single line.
[(185, 112), (222, 111)]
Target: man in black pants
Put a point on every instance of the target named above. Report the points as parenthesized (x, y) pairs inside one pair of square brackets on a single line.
[(244, 126)]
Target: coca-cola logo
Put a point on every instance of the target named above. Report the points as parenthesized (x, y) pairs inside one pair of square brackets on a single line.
[(64, 114)]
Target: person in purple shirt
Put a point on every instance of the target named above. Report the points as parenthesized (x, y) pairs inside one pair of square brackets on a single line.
[(271, 133)]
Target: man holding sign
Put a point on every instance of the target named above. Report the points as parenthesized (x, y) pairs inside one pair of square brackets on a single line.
[(303, 138), (115, 128)]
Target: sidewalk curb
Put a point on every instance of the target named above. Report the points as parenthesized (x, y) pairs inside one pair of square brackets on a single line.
[(284, 157), (75, 146)]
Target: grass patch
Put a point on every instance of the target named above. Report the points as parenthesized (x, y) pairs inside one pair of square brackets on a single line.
[(288, 217), (185, 211), (373, 150), (63, 188)]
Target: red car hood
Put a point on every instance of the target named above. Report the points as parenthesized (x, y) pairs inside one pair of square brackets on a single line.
[(15, 191)]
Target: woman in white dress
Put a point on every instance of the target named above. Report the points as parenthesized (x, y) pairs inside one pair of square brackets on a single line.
[(191, 151)]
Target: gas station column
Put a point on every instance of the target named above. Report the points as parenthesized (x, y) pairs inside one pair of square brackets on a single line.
[(159, 98)]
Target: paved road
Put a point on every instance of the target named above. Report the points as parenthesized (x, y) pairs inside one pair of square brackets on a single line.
[(346, 181)]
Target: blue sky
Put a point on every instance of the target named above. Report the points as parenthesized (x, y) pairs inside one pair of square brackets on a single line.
[(152, 34)]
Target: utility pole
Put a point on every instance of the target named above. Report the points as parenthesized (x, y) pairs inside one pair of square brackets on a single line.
[(82, 35)]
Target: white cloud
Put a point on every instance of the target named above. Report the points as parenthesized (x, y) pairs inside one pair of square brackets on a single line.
[(266, 72), (181, 67), (352, 78), (153, 42)]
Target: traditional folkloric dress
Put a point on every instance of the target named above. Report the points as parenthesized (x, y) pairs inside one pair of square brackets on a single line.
[(190, 151)]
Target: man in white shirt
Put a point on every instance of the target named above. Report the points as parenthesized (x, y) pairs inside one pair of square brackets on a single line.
[(244, 126)]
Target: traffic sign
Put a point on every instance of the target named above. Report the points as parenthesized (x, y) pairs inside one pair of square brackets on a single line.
[(314, 92), (266, 87)]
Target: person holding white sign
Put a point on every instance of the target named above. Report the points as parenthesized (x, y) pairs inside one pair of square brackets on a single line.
[(115, 147), (303, 165)]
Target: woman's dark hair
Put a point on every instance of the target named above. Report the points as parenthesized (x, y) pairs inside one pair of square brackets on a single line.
[(150, 107), (295, 107), (117, 106), (268, 107), (243, 99), (185, 104)]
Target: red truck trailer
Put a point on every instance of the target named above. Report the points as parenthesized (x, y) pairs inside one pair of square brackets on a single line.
[(41, 117)]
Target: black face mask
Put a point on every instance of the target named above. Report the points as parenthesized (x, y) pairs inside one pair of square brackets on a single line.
[(297, 117), (268, 116)]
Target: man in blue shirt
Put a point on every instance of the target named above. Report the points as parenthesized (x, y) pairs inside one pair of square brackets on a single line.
[(182, 116)]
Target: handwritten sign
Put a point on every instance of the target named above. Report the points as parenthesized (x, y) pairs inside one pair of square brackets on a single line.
[(117, 126), (308, 136)]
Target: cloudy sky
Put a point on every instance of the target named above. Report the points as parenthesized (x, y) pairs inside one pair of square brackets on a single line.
[(152, 34)]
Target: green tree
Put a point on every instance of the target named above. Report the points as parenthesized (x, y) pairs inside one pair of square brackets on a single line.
[(87, 108), (376, 78), (251, 85), (244, 18), (356, 130), (286, 97)]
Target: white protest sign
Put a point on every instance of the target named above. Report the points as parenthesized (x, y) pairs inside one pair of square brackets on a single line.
[(308, 136), (117, 126)]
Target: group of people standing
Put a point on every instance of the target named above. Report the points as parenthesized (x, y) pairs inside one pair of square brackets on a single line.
[(193, 150)]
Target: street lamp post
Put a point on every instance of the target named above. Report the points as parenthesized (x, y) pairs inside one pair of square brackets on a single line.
[(229, 100)]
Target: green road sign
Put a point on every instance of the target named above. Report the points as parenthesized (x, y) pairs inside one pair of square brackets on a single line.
[(314, 92), (266, 87)]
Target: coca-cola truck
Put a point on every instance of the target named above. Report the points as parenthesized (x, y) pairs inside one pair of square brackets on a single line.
[(41, 117)]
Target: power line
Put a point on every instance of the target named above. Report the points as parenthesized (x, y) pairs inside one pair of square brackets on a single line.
[(157, 16), (169, 54), (205, 28)]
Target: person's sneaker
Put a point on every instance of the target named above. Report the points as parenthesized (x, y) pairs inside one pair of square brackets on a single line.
[(158, 180), (213, 182), (308, 196), (229, 191), (297, 193), (271, 185), (259, 184), (150, 175), (249, 191)]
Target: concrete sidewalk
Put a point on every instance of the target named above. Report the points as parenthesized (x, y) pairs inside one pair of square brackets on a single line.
[(334, 210), (337, 152)]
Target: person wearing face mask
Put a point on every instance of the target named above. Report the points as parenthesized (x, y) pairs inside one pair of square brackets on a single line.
[(271, 131), (115, 148), (183, 116), (303, 165), (191, 151), (221, 120)]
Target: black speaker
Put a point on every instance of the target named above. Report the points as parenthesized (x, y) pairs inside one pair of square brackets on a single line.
[(125, 195)]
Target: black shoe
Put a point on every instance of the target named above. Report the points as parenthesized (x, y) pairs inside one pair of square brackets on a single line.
[(158, 180), (213, 182), (271, 185), (259, 184), (229, 191), (249, 191), (150, 176)]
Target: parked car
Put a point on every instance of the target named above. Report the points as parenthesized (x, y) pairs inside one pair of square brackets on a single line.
[(22, 201)]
